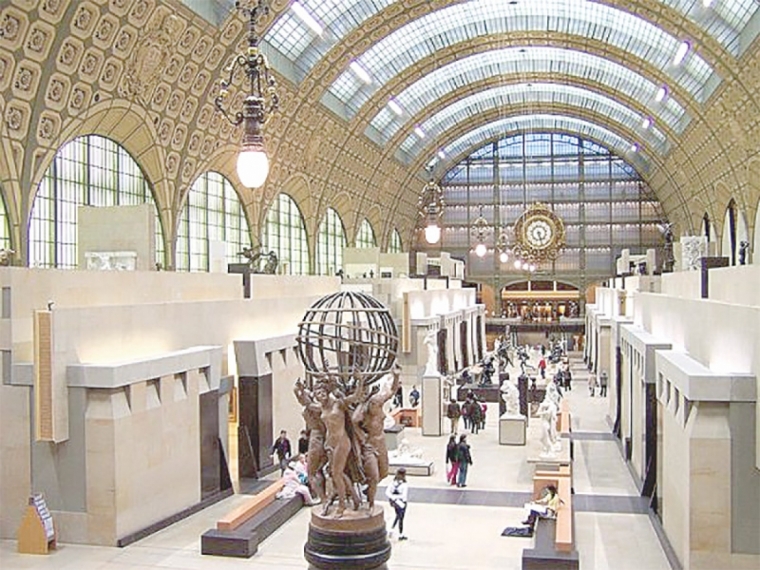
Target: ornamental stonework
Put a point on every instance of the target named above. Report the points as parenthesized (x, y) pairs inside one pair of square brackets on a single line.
[(149, 58)]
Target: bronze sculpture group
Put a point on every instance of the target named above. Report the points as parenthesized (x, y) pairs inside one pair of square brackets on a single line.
[(347, 450)]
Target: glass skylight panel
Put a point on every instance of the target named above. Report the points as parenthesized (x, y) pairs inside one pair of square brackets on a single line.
[(513, 61), (724, 20), (429, 34), (466, 109), (541, 122), (302, 46)]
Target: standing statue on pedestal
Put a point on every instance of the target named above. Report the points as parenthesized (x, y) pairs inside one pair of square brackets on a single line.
[(343, 408), (431, 342), (547, 411), (743, 250), (666, 228), (511, 396)]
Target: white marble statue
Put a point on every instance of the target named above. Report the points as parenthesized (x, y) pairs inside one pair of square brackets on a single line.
[(547, 411), (431, 342), (388, 421), (511, 396), (406, 451), (693, 248), (552, 393)]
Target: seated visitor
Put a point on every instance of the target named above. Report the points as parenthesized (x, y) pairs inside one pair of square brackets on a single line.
[(546, 507), (293, 486)]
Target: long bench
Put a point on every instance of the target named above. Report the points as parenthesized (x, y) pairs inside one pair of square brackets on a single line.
[(554, 538), (239, 532)]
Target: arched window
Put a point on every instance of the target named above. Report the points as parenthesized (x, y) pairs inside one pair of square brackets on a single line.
[(212, 212), (331, 239), (395, 245), (285, 233), (729, 233), (87, 171), (366, 235), (5, 232)]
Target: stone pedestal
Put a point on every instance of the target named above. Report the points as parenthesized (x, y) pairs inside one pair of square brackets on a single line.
[(356, 541), (512, 429), (393, 436), (432, 405)]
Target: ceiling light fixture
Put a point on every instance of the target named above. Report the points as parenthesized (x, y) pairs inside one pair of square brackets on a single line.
[(360, 72), (419, 132), (430, 206), (646, 123), (479, 230), (259, 104), (307, 18), (661, 94), (395, 107), (683, 49)]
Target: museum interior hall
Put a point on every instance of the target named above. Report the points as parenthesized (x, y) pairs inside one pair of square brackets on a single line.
[(376, 225)]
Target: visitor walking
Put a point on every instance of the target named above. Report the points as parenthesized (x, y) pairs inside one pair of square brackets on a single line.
[(303, 442), (476, 416), (542, 367), (465, 460), (453, 412), (466, 407), (414, 397), (452, 458), (603, 384), (282, 450), (398, 496), (591, 384)]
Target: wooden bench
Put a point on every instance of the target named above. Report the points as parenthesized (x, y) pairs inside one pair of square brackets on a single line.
[(255, 504), (239, 532), (554, 542), (563, 418)]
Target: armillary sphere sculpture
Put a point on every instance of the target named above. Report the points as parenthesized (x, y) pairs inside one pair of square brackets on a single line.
[(348, 344)]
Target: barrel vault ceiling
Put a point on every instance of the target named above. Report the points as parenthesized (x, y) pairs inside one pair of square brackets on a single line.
[(373, 91)]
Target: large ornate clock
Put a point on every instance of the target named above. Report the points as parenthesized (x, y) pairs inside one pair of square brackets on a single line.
[(539, 234)]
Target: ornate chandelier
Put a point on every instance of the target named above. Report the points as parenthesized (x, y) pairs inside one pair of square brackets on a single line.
[(430, 206), (539, 237), (480, 230), (260, 102)]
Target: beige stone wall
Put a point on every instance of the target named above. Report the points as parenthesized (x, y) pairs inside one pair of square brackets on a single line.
[(156, 318), (118, 229)]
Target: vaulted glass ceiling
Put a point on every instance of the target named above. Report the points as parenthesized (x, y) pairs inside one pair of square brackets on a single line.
[(509, 96), (598, 78), (438, 30), (544, 123), (520, 63), (724, 20)]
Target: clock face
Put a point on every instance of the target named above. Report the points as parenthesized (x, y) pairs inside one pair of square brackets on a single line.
[(538, 233)]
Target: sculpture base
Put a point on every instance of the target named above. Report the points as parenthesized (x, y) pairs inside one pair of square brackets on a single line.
[(356, 541), (393, 436), (512, 429)]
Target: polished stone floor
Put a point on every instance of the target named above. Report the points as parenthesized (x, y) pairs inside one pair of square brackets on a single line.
[(448, 528)]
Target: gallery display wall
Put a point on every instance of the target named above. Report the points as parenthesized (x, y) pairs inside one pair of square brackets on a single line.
[(138, 363), (683, 401)]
